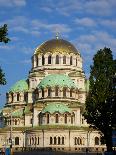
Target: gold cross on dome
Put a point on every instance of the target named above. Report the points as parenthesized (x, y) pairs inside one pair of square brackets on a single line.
[(57, 35)]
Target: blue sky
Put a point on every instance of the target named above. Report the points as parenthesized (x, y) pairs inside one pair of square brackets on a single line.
[(88, 24)]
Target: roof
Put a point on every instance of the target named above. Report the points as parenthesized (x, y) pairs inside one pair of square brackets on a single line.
[(17, 113), (19, 86), (56, 45), (59, 80), (56, 107)]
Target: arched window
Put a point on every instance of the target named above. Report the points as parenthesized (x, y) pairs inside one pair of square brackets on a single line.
[(32, 141), (25, 97), (51, 141), (56, 91), (62, 140), (57, 59), (76, 62), (58, 140), (42, 93), (15, 122), (38, 141), (49, 92), (57, 120), (75, 141), (43, 60), (48, 117), (55, 141), (71, 60), (96, 141), (18, 97), (12, 97), (71, 119), (65, 118), (64, 59), (64, 92), (49, 59), (16, 140), (79, 141), (36, 60), (71, 92)]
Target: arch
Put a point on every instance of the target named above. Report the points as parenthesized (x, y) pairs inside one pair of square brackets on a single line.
[(16, 140), (65, 118), (18, 96), (38, 141), (57, 59), (55, 140), (56, 91), (49, 92), (32, 141), (57, 118), (15, 122), (49, 59), (75, 140), (96, 141), (43, 60), (64, 59), (51, 140), (48, 117), (71, 60), (64, 92), (58, 140)]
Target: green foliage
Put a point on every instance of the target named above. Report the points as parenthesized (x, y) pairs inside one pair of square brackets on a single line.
[(99, 110), (2, 77), (3, 34)]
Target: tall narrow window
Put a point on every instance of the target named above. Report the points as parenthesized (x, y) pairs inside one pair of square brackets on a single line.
[(65, 118), (16, 140), (48, 117), (57, 118), (70, 92), (49, 92), (62, 140), (56, 91), (12, 97), (57, 59), (64, 92), (42, 93), (58, 140), (18, 97), (25, 97), (55, 141), (51, 140), (49, 59), (76, 62), (36, 60), (71, 119), (64, 59), (75, 140), (43, 60), (38, 141), (15, 122), (96, 141), (71, 60)]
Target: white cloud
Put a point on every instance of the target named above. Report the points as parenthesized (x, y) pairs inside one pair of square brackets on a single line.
[(6, 47), (26, 61), (85, 22), (12, 3)]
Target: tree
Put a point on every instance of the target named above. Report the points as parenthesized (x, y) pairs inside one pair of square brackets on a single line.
[(99, 108), (2, 77), (5, 39), (3, 34)]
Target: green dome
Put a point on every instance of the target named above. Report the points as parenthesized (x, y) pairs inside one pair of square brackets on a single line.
[(17, 113), (56, 107), (59, 80), (19, 86)]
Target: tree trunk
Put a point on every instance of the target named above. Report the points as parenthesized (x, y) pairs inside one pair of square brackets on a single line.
[(108, 138)]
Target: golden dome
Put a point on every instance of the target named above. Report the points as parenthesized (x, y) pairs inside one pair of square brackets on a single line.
[(56, 45)]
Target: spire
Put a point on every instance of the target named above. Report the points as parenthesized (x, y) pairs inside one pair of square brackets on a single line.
[(57, 35)]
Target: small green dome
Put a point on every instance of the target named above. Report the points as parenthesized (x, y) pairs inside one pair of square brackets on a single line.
[(19, 86), (17, 113), (59, 80), (56, 107)]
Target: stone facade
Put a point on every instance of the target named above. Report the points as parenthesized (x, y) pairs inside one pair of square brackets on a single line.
[(45, 110)]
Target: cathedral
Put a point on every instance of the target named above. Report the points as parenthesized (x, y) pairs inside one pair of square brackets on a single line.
[(44, 111)]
